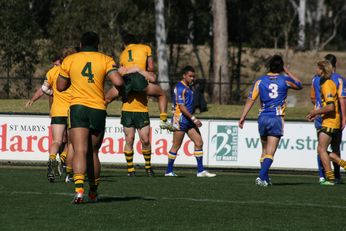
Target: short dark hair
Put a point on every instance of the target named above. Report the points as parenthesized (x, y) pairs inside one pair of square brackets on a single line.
[(276, 64), (187, 69), (331, 58), (90, 39), (129, 38)]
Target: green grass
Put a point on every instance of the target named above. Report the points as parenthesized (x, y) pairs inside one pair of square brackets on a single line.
[(214, 110), (230, 201)]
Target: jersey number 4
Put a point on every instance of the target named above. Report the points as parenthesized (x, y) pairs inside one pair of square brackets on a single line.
[(274, 90), (87, 72)]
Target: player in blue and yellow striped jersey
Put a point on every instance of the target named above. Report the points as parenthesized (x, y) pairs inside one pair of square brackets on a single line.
[(331, 120), (185, 122), (272, 89), (316, 99)]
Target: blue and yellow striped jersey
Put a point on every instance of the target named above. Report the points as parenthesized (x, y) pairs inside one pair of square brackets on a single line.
[(272, 89), (183, 95), (315, 93)]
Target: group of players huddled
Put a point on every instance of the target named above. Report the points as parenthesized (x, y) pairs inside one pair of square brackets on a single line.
[(79, 103)]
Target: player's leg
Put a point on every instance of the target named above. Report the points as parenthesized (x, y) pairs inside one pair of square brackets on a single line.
[(128, 150), (335, 145), (195, 135), (156, 91), (57, 133), (127, 120), (93, 164), (69, 158), (270, 148), (323, 143), (79, 138), (144, 136), (178, 137)]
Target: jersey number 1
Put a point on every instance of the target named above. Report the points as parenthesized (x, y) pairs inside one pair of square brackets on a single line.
[(87, 72), (130, 56), (274, 90)]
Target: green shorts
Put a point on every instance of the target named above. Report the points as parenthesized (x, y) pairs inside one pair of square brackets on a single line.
[(134, 82), (58, 120), (86, 117), (134, 119)]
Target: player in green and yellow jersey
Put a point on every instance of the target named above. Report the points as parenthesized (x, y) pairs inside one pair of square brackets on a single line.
[(86, 71), (58, 113)]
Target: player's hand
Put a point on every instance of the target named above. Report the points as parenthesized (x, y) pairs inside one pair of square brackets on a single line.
[(343, 124), (241, 123), (311, 116), (29, 103), (122, 70), (197, 122)]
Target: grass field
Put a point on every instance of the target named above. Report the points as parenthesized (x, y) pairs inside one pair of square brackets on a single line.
[(214, 110), (230, 201)]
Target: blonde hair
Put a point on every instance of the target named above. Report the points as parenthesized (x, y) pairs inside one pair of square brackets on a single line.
[(326, 68)]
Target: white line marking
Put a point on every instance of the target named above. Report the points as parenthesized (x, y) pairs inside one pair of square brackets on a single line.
[(297, 204)]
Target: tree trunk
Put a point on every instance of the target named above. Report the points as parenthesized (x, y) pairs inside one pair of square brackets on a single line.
[(221, 93), (301, 17), (161, 36)]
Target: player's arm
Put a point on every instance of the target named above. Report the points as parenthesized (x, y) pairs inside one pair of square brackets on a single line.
[(342, 102), (62, 83), (330, 107), (111, 95), (150, 64), (248, 105), (38, 94), (329, 92), (150, 76), (298, 83), (44, 89), (186, 113)]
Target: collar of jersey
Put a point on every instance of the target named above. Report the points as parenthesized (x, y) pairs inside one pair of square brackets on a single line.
[(272, 74), (88, 48), (183, 83)]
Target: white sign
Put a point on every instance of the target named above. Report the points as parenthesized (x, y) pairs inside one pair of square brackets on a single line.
[(27, 137)]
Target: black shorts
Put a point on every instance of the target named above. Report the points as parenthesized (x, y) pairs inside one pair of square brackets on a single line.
[(86, 117), (134, 119), (134, 82), (59, 120)]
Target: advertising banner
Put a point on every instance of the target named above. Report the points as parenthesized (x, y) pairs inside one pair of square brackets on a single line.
[(28, 137)]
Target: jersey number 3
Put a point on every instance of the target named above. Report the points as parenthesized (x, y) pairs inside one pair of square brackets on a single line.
[(87, 72), (274, 90)]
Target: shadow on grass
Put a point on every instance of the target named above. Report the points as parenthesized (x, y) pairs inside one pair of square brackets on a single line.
[(109, 199)]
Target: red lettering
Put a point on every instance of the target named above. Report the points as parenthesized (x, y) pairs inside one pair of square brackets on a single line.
[(29, 143), (3, 138), (108, 146), (16, 146), (121, 143), (45, 139), (163, 149), (186, 148)]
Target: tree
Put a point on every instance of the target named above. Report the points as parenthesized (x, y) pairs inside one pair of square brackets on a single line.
[(301, 9), (161, 37), (220, 54)]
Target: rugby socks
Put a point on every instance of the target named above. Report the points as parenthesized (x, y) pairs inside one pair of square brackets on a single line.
[(52, 156), (63, 156), (93, 184), (171, 159), (336, 168), (69, 171), (163, 117), (199, 157), (129, 161), (147, 158), (330, 176), (342, 163), (267, 162), (261, 161), (320, 167), (79, 182)]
